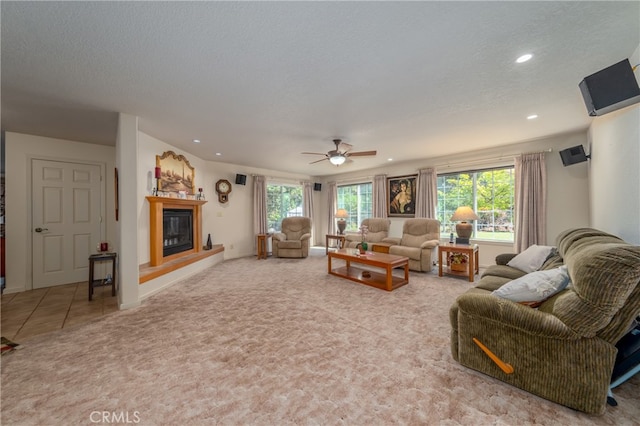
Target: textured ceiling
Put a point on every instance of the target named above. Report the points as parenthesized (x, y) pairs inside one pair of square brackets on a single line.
[(261, 82)]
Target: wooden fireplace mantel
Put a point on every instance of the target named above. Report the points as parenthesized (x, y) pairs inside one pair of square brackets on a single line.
[(156, 206)]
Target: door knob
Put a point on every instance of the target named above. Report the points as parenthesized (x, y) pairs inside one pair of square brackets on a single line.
[(41, 229)]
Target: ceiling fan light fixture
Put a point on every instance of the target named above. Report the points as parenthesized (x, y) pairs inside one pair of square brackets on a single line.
[(336, 160), (524, 58)]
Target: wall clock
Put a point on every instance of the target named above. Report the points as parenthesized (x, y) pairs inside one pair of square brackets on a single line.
[(223, 188)]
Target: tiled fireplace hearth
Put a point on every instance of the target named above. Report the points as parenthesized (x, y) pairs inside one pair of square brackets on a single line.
[(160, 263)]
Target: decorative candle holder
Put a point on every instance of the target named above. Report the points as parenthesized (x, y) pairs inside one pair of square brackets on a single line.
[(158, 175)]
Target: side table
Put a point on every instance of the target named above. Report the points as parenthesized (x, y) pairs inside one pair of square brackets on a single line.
[(261, 243), (470, 250), (102, 257), (380, 247), (339, 239)]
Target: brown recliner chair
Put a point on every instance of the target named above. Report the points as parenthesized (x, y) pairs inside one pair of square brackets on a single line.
[(420, 238), (564, 351), (293, 240), (377, 230)]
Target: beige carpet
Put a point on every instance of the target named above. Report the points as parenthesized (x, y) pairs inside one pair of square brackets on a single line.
[(274, 342)]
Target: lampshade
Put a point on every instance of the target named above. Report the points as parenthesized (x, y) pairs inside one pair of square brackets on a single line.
[(463, 214), (337, 159), (342, 213)]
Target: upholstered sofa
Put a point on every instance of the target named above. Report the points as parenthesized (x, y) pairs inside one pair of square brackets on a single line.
[(293, 240), (420, 238), (564, 350), (377, 230)]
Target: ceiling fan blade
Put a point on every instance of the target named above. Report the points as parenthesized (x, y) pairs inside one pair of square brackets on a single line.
[(314, 153), (344, 147), (317, 161), (361, 153)]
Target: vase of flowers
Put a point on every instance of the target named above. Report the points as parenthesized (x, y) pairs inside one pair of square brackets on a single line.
[(363, 246), (458, 262)]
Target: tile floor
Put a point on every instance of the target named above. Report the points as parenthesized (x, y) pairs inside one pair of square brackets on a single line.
[(34, 312)]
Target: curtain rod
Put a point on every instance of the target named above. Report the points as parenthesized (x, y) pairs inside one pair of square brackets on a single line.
[(282, 179), (483, 160), (355, 179)]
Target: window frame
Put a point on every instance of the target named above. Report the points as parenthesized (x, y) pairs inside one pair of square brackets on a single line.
[(359, 213), (443, 215), (276, 226)]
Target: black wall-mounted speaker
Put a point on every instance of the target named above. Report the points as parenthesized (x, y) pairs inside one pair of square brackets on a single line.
[(573, 155), (317, 187), (241, 179), (610, 89)]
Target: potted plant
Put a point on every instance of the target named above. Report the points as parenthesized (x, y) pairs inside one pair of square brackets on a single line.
[(458, 262)]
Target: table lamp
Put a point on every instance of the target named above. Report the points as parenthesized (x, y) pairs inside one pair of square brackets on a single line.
[(463, 228), (341, 214)]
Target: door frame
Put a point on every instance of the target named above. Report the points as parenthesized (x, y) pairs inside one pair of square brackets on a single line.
[(29, 221)]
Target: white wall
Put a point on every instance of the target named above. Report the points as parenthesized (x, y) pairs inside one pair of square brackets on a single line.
[(126, 160), (567, 191), (615, 173), (20, 149), (615, 170)]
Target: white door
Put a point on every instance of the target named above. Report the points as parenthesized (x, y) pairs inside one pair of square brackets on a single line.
[(65, 219)]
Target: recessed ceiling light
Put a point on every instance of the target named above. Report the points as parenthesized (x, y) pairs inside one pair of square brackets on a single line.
[(524, 58), (196, 141), (218, 153), (532, 117), (389, 159)]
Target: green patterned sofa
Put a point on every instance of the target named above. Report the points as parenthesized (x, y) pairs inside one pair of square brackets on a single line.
[(563, 351)]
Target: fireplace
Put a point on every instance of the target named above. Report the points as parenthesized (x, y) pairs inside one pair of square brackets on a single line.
[(177, 231)]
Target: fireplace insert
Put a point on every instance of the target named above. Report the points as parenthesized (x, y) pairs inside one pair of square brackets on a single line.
[(177, 231)]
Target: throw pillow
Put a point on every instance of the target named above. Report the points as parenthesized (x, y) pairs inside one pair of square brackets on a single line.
[(532, 258), (534, 288)]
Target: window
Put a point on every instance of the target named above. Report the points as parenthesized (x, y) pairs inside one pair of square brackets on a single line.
[(282, 201), (489, 192), (356, 199)]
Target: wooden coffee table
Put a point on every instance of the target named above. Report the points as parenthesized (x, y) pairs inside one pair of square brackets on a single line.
[(385, 281)]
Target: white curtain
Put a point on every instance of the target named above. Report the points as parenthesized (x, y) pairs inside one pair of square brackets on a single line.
[(259, 205), (307, 207), (531, 201), (427, 196), (379, 198), (332, 195)]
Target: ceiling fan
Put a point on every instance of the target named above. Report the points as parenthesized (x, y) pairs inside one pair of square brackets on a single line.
[(339, 155)]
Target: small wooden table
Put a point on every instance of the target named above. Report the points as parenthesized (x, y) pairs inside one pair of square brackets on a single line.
[(385, 281), (470, 250), (101, 257), (339, 238), (261, 243)]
